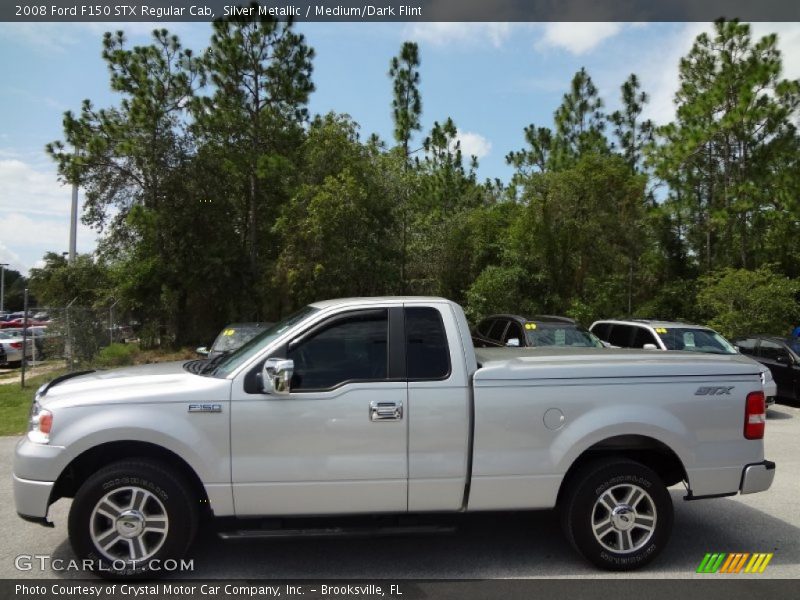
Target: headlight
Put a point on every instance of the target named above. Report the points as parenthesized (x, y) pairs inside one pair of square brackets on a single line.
[(41, 422), (766, 375)]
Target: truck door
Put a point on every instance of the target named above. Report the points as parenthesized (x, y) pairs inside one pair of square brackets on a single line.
[(439, 405), (338, 442)]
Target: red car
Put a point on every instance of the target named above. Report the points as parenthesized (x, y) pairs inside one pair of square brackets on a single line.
[(21, 323)]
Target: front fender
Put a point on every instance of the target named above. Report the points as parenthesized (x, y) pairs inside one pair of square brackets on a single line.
[(202, 440)]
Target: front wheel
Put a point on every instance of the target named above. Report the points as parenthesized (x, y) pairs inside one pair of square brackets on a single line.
[(617, 513), (130, 517)]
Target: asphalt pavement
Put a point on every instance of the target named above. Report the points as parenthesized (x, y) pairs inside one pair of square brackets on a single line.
[(485, 546)]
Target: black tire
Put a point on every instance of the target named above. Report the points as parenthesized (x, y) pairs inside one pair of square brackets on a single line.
[(627, 545), (166, 492)]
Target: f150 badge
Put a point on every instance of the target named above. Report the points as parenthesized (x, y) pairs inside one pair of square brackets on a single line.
[(714, 391), (205, 408)]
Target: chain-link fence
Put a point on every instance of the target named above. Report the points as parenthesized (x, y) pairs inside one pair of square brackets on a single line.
[(71, 337)]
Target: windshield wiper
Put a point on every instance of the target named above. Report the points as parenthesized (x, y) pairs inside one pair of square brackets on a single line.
[(211, 365)]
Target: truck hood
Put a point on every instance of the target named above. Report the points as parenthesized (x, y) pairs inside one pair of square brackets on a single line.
[(142, 383), (568, 363)]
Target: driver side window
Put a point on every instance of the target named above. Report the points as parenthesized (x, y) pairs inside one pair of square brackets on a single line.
[(350, 348)]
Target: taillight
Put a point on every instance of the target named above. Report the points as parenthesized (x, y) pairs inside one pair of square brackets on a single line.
[(755, 416), (16, 345)]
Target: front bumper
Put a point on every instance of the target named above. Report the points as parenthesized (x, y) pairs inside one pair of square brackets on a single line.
[(757, 477), (32, 498), (36, 469)]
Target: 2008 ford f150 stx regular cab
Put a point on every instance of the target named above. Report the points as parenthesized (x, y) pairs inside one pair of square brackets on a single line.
[(379, 405)]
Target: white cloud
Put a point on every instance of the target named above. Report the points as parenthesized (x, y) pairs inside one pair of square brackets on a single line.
[(788, 43), (659, 68), (576, 38), (658, 71), (22, 187), (35, 209), (59, 38), (443, 34), (473, 144), (10, 258)]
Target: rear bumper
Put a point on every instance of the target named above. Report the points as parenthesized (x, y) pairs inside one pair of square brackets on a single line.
[(757, 477)]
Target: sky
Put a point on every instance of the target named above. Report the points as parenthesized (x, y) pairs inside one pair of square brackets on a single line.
[(493, 79)]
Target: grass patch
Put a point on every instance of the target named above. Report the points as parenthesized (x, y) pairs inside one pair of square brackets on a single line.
[(155, 356), (118, 355), (15, 403)]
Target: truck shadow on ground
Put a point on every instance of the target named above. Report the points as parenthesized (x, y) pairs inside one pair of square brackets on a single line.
[(486, 546), (779, 412)]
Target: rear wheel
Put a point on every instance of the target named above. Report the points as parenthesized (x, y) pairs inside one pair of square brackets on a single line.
[(131, 516), (617, 513)]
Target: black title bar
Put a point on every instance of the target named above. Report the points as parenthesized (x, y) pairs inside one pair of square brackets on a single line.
[(405, 10)]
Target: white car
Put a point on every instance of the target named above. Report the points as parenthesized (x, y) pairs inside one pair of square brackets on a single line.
[(651, 334), (11, 348)]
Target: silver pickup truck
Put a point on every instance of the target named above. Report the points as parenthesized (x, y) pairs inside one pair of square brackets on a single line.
[(380, 405)]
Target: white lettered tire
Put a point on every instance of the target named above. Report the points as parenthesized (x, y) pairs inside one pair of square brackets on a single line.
[(617, 513), (131, 518)]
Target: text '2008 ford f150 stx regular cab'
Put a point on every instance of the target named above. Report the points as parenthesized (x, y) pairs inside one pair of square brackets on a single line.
[(379, 405)]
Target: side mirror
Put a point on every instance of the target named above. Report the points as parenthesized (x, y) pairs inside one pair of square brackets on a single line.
[(513, 342), (649, 347), (276, 376), (202, 351)]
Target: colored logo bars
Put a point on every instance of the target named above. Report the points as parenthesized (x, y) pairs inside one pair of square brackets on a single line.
[(721, 562)]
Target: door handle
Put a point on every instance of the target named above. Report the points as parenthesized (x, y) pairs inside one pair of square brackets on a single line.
[(382, 410)]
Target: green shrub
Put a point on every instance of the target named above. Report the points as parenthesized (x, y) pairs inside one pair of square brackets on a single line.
[(738, 302), (118, 355)]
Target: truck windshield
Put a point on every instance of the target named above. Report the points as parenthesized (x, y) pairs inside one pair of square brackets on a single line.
[(252, 347), (694, 340)]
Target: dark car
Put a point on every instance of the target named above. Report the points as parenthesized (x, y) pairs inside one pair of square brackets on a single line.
[(537, 331), (231, 337), (781, 356)]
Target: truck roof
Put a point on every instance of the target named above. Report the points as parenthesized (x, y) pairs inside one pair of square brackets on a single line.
[(653, 323), (379, 300)]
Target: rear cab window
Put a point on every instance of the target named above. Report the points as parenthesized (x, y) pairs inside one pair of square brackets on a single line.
[(427, 351)]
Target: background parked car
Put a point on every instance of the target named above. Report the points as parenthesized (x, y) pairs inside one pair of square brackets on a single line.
[(537, 331), (781, 356), (46, 340), (20, 322), (11, 348), (231, 337), (670, 335), (661, 335)]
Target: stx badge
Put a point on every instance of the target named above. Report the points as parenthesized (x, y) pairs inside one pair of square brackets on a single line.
[(714, 391)]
